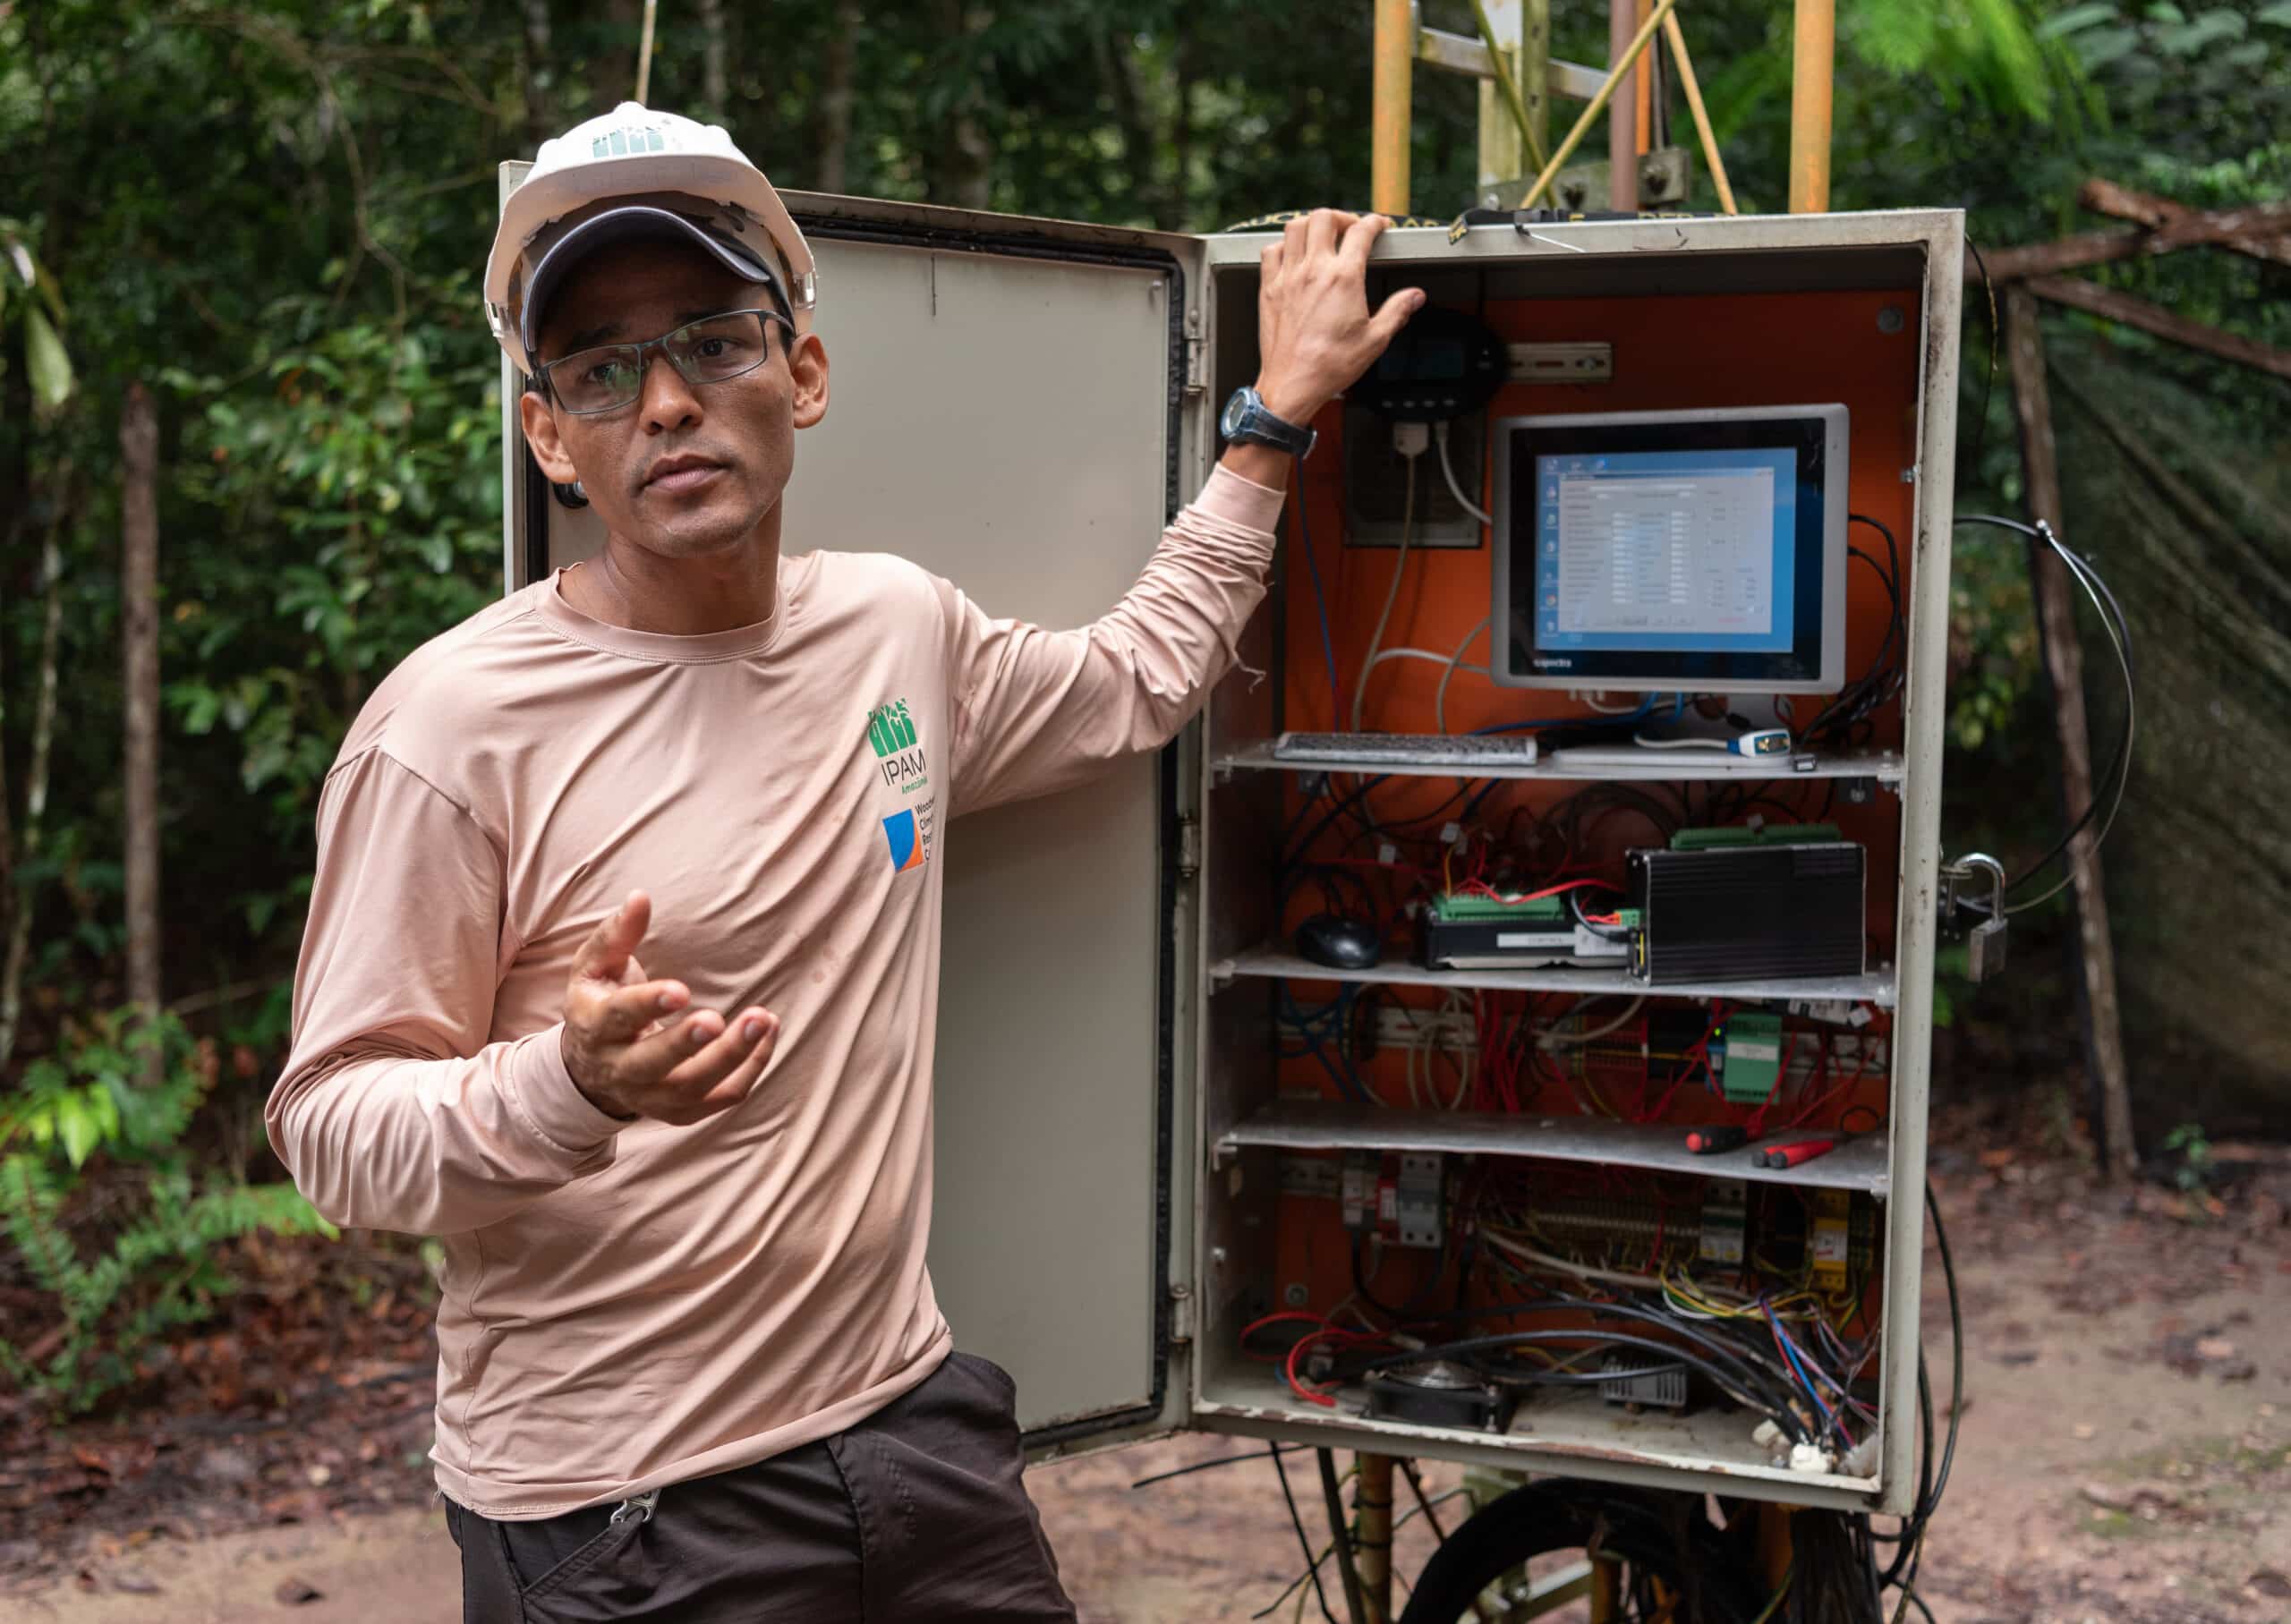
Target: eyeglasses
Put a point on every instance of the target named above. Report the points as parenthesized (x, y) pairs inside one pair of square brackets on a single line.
[(704, 352)]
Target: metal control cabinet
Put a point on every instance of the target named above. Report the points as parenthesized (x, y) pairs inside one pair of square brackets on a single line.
[(1021, 405)]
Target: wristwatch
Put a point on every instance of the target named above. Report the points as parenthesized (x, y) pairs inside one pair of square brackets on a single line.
[(1247, 422)]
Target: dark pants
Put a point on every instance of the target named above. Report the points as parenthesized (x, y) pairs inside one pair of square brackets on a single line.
[(916, 1513)]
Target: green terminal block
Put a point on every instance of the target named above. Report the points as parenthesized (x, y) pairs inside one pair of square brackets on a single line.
[(1771, 834), (1454, 907), (1753, 1042)]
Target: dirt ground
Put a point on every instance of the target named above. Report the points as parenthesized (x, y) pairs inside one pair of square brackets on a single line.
[(2126, 1456)]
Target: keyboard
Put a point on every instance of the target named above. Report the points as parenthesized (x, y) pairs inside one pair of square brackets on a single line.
[(1468, 751)]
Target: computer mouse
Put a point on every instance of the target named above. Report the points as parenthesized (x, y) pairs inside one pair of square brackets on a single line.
[(1340, 942)]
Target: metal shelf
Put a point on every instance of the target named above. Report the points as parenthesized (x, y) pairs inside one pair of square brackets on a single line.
[(1875, 987), (1554, 1430), (1864, 1163), (1676, 765)]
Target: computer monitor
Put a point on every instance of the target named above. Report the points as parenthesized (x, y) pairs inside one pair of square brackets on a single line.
[(1654, 551)]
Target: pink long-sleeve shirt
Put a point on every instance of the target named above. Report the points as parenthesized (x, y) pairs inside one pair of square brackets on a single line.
[(631, 1305)]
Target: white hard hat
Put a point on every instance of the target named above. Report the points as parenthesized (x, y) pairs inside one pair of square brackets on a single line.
[(634, 171)]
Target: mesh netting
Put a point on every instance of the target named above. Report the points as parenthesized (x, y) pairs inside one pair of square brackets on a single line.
[(2188, 515)]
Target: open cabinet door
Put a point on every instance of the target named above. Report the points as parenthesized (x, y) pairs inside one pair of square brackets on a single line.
[(1007, 412)]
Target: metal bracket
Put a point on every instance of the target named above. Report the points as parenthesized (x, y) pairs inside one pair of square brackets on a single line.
[(1196, 357)]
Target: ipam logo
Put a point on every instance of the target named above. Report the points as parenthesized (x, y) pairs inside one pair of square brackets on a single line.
[(905, 775), (899, 756)]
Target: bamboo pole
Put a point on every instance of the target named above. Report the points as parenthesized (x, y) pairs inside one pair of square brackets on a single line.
[(1499, 57), (2064, 663), (1390, 114), (1687, 82), (644, 52), (1813, 50), (1596, 106)]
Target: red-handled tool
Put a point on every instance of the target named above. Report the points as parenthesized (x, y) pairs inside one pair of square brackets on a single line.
[(1705, 1141), (1795, 1153)]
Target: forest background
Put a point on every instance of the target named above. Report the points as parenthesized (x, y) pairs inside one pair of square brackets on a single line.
[(243, 245)]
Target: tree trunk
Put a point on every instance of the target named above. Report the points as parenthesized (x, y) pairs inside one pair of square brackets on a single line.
[(2064, 662), (614, 81), (835, 97), (1179, 214), (1118, 71), (715, 82), (139, 626), (20, 926), (536, 74), (960, 163)]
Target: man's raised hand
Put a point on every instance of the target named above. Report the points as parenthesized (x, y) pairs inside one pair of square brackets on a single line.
[(1315, 333), (629, 1050)]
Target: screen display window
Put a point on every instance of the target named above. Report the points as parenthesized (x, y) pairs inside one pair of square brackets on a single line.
[(1698, 550), (1680, 551)]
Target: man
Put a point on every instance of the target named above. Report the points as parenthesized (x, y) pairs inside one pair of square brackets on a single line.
[(690, 1366)]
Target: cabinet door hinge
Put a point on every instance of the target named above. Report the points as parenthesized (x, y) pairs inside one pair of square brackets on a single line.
[(1189, 847), (1196, 355), (1181, 1313)]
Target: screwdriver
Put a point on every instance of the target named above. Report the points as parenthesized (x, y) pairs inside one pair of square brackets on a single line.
[(1793, 1155)]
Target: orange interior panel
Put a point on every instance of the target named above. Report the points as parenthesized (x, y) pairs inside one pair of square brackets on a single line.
[(1669, 354)]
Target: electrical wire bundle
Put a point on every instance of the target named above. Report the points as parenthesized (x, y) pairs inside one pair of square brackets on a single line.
[(1845, 719), (1786, 1354)]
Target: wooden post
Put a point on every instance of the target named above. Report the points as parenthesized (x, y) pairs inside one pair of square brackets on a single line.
[(1622, 110), (2064, 662), (2117, 306), (1372, 1505), (139, 636), (1391, 112), (1604, 1602), (1813, 51)]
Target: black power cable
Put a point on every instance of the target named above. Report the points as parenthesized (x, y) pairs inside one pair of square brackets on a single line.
[(1304, 1540), (1348, 1572), (2119, 767), (1882, 680)]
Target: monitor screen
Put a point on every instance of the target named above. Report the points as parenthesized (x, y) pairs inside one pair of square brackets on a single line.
[(1647, 551)]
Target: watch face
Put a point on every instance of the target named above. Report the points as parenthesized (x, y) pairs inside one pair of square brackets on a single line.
[(1230, 424)]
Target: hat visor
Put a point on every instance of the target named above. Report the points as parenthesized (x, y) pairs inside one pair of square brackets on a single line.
[(633, 223)]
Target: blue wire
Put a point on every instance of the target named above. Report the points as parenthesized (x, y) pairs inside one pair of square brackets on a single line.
[(1789, 1352), (1320, 603)]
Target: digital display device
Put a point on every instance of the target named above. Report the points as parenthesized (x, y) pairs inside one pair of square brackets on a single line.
[(1644, 551), (1438, 360)]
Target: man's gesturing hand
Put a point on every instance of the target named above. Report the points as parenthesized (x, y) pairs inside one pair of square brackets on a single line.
[(629, 1052), (1314, 331)]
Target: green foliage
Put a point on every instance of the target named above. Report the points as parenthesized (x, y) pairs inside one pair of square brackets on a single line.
[(2191, 1148), (363, 479), (49, 367), (154, 1263), (1966, 50)]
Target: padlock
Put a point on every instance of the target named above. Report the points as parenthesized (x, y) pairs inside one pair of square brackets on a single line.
[(1985, 947)]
